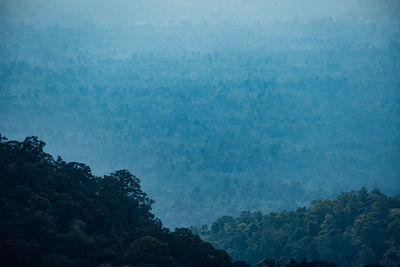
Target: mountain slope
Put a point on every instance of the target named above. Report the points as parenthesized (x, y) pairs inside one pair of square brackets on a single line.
[(54, 213), (353, 229)]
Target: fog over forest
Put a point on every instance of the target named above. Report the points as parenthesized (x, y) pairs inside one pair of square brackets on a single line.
[(217, 106)]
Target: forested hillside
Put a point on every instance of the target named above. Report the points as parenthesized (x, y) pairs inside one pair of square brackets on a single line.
[(57, 213), (54, 213), (353, 229)]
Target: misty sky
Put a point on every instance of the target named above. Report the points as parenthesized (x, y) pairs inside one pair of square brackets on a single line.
[(127, 13)]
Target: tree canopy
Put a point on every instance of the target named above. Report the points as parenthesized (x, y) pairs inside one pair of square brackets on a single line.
[(57, 213), (353, 229)]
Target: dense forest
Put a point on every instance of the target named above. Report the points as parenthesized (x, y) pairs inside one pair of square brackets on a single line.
[(57, 213), (353, 229), (239, 117), (54, 213), (275, 115)]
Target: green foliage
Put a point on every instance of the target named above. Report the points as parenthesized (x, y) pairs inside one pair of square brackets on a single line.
[(352, 229), (150, 250), (54, 213), (293, 263)]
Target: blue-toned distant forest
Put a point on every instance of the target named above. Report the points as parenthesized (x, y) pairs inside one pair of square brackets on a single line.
[(233, 117), (247, 122)]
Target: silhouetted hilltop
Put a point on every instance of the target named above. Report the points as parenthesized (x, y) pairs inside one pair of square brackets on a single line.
[(54, 213), (57, 213)]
